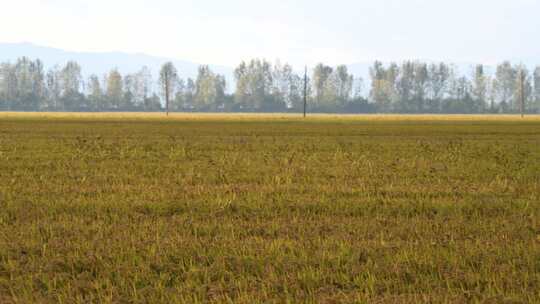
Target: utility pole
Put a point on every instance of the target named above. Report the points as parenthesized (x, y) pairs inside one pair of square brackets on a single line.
[(305, 92)]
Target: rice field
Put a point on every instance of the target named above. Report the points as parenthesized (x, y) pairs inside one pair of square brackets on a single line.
[(269, 208)]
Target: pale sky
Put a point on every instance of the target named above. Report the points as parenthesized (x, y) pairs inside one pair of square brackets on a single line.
[(300, 32)]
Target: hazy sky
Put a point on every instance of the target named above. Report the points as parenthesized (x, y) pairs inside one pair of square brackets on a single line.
[(299, 31)]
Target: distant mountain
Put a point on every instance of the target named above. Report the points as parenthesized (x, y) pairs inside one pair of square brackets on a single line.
[(101, 63)]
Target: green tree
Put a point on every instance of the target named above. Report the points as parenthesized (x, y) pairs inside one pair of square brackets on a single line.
[(321, 75), (71, 79), (405, 87), (479, 89), (384, 86), (8, 86), (168, 77), (536, 94), (254, 84), (53, 89), (420, 87), (95, 94), (142, 87), (439, 76), (282, 84), (460, 99), (206, 93), (242, 83), (178, 102), (524, 88), (115, 90), (505, 86), (189, 95), (344, 84), (128, 101)]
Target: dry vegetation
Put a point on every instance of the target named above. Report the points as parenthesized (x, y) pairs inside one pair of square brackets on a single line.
[(134, 208), (263, 116)]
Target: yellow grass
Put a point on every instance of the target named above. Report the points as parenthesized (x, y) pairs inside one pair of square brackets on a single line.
[(269, 116), (136, 209)]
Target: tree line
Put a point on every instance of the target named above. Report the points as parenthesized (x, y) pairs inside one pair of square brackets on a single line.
[(409, 87), (416, 87)]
